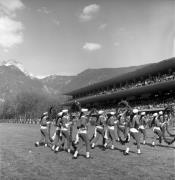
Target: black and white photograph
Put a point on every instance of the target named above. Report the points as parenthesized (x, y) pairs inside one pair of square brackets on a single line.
[(87, 89)]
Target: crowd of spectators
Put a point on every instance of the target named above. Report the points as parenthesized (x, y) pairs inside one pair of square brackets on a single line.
[(141, 105), (140, 83), (152, 104)]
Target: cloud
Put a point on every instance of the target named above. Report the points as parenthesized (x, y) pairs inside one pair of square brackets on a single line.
[(91, 46), (9, 7), (10, 32), (56, 21), (10, 29), (173, 48), (102, 26), (44, 10), (116, 44), (89, 11)]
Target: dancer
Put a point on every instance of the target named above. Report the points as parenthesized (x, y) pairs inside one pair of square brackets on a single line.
[(110, 131), (65, 124), (57, 135), (99, 128), (133, 125), (82, 134), (142, 126), (156, 124), (44, 129)]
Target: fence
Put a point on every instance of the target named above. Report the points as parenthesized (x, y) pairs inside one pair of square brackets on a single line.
[(20, 121)]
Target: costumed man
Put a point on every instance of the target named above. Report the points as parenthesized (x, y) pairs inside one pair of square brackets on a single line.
[(65, 124), (44, 129), (156, 124), (122, 126), (123, 111), (167, 117), (82, 134), (110, 131), (57, 135), (160, 127), (99, 128), (142, 126), (133, 126)]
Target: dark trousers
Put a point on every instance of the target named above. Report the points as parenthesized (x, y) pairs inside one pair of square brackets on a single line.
[(83, 137), (122, 129), (100, 132), (58, 137), (158, 133), (111, 136), (143, 131), (66, 136), (136, 137), (44, 137)]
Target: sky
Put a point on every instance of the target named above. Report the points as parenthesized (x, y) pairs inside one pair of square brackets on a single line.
[(65, 37)]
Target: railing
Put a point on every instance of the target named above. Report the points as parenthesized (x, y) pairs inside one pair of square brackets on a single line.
[(20, 121)]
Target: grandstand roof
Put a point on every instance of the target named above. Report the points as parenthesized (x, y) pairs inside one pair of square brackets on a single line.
[(148, 69), (154, 88)]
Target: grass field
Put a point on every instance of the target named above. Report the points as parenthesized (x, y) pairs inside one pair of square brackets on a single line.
[(19, 159)]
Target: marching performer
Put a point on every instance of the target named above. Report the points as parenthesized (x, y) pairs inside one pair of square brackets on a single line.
[(57, 135), (110, 131), (99, 128), (82, 136), (160, 126), (133, 125), (156, 124), (142, 126), (44, 129), (121, 127), (65, 124)]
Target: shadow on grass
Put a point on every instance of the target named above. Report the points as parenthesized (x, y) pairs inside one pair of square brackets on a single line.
[(115, 148), (159, 145)]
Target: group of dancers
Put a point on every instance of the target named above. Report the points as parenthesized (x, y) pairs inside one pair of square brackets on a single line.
[(127, 122)]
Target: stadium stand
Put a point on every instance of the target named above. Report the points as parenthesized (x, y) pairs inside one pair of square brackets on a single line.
[(152, 86)]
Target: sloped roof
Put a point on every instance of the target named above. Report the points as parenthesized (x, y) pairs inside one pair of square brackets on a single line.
[(154, 88), (148, 69)]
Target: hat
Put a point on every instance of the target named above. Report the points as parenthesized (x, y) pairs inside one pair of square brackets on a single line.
[(143, 113), (160, 112), (155, 114), (84, 110), (135, 111), (60, 114), (100, 112), (112, 113), (45, 113), (65, 110)]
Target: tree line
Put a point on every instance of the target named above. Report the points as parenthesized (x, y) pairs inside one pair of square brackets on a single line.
[(27, 105)]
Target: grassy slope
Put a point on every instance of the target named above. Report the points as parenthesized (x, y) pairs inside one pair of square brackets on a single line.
[(19, 159)]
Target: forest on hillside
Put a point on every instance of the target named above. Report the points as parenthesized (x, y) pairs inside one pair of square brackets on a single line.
[(27, 105)]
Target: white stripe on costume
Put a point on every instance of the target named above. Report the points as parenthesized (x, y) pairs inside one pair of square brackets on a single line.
[(99, 127), (95, 133), (54, 136), (156, 128), (133, 130), (141, 127), (106, 134), (83, 131), (111, 127), (64, 129), (43, 127)]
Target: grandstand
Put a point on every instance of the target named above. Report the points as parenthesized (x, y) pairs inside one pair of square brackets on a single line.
[(151, 82)]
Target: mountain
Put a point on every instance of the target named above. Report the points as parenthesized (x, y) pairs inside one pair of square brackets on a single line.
[(13, 81), (16, 64), (55, 84)]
